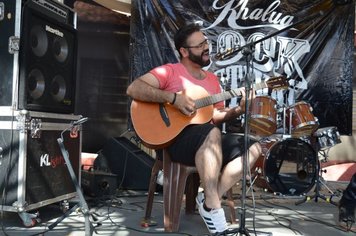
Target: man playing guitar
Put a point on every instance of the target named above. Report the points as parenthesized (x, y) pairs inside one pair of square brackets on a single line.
[(171, 88)]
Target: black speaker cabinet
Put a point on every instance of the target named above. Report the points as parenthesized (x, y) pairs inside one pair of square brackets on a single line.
[(131, 165), (47, 58)]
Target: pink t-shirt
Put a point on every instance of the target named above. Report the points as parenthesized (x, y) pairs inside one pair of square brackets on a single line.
[(176, 78)]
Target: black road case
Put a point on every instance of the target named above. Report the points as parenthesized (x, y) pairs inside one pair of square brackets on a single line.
[(33, 172)]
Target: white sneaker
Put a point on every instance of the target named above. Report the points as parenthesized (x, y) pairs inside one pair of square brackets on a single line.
[(200, 199), (215, 219)]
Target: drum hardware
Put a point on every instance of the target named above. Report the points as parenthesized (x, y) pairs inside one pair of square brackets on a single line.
[(256, 176), (284, 120), (318, 182), (326, 138), (323, 155)]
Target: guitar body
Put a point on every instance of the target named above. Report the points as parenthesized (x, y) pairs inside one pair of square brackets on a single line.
[(156, 132)]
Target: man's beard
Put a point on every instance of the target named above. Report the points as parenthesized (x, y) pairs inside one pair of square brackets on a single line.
[(199, 59)]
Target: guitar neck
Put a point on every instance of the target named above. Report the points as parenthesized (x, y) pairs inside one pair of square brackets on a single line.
[(274, 83), (206, 101)]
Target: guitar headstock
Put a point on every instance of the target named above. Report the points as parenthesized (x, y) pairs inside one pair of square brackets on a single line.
[(279, 82)]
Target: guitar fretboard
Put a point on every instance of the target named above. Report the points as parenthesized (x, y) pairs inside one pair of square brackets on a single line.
[(206, 101)]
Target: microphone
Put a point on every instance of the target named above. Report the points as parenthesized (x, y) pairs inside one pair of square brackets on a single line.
[(80, 121), (228, 52)]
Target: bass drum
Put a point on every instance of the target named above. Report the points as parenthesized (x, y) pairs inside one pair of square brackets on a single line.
[(287, 167)]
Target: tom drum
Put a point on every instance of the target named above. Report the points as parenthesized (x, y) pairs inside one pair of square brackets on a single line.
[(301, 120), (263, 116)]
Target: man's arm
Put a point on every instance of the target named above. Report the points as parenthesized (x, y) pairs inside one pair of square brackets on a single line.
[(223, 114), (146, 88)]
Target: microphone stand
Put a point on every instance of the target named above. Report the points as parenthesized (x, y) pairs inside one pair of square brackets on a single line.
[(89, 228), (247, 51)]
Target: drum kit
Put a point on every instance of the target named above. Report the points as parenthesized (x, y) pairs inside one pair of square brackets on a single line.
[(291, 142)]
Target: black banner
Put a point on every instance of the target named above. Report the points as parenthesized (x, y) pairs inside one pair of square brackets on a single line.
[(315, 55)]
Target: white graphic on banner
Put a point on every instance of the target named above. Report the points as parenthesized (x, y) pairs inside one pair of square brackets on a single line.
[(235, 10), (271, 57)]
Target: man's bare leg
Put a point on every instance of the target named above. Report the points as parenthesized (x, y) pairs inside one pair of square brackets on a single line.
[(232, 172), (208, 162)]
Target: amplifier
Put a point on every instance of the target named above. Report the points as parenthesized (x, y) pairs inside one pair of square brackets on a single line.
[(124, 159), (98, 183), (53, 9)]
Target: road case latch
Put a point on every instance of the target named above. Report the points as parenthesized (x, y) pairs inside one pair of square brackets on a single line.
[(14, 44), (1, 155), (35, 127), (2, 10)]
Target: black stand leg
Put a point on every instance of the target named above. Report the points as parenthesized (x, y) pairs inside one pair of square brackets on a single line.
[(60, 219), (242, 230), (317, 193), (84, 206)]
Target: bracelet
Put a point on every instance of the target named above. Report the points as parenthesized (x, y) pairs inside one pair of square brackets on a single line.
[(174, 98)]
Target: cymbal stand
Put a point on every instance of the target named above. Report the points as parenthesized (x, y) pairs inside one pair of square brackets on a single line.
[(318, 182), (285, 128)]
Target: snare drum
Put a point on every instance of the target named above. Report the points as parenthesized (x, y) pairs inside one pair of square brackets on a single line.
[(300, 119), (263, 116), (327, 137), (288, 166)]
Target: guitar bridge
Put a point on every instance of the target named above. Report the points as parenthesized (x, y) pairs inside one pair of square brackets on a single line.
[(164, 114)]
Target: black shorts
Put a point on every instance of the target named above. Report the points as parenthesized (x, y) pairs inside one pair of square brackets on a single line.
[(192, 137)]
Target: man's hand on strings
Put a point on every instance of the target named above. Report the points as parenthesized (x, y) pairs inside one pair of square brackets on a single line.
[(242, 105), (185, 104)]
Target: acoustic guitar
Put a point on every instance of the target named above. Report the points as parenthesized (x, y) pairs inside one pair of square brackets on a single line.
[(158, 124)]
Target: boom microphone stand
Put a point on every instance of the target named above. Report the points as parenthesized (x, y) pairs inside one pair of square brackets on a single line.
[(247, 51)]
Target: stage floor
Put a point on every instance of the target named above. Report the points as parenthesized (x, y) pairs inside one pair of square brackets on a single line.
[(122, 214)]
